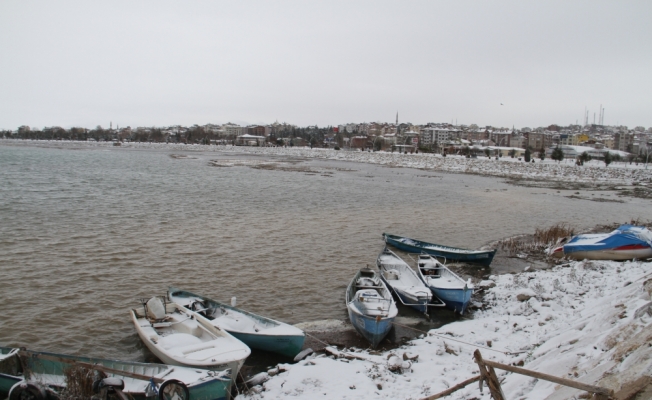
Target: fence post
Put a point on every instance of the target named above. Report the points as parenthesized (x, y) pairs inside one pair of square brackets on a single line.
[(489, 375)]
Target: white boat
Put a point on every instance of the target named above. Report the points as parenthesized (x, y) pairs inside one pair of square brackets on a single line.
[(454, 291), (176, 337), (402, 279)]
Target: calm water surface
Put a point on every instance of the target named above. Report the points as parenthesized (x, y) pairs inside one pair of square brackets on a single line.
[(85, 233)]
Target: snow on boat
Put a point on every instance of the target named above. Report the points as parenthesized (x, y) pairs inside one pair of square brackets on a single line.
[(444, 283), (482, 257), (177, 337), (402, 279), (371, 307), (255, 331), (34, 375), (625, 243)]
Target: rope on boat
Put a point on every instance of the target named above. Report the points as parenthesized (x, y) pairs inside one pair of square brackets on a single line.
[(461, 341)]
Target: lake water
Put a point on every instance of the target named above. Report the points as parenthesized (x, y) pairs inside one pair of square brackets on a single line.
[(86, 233)]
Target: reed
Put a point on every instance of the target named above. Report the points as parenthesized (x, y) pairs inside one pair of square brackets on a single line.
[(79, 383), (539, 241), (552, 234)]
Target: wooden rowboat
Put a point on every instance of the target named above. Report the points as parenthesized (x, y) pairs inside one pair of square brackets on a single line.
[(454, 291), (371, 307), (482, 257), (177, 337), (41, 375), (255, 331), (402, 279)]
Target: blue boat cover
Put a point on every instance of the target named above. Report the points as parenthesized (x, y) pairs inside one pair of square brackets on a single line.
[(625, 235)]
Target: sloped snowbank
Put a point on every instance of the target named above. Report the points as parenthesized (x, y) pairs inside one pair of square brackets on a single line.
[(588, 321)]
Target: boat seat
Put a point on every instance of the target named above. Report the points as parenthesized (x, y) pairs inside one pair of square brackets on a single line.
[(392, 275), (431, 272), (366, 282)]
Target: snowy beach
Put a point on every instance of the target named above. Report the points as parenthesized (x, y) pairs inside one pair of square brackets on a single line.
[(587, 321)]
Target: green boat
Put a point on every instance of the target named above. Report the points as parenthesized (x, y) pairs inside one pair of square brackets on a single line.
[(253, 330), (26, 374), (482, 257)]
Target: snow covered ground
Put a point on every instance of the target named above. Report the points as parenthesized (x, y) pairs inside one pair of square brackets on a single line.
[(588, 321)]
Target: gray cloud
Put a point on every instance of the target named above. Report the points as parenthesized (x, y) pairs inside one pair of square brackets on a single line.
[(162, 62)]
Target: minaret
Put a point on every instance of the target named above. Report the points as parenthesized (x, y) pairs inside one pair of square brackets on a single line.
[(397, 122)]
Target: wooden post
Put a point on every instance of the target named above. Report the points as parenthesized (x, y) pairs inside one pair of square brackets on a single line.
[(453, 388), (562, 381), (489, 376)]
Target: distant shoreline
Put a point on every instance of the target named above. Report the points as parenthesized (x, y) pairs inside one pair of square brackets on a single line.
[(631, 180)]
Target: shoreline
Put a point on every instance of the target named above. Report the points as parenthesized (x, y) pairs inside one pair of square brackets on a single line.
[(627, 179)]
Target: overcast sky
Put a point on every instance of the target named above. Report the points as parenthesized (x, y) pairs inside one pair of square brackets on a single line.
[(156, 63)]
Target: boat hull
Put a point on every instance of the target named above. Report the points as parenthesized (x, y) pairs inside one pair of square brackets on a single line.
[(481, 257), (455, 299), (285, 345), (49, 369), (611, 254), (371, 328)]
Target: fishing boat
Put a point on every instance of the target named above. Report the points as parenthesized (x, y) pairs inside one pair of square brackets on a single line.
[(371, 306), (625, 243), (255, 331), (26, 374), (177, 337), (402, 279), (482, 257), (444, 283)]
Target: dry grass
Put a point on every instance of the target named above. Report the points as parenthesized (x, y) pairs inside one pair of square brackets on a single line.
[(552, 234), (542, 239), (79, 383)]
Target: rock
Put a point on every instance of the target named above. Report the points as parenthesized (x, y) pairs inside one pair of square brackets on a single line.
[(486, 284), (272, 372), (256, 389), (394, 364), (303, 354), (410, 357), (258, 379), (525, 295)]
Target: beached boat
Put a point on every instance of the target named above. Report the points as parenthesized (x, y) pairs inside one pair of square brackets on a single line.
[(454, 291), (177, 337), (371, 306), (255, 331), (40, 375), (625, 243), (402, 279), (482, 257)]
